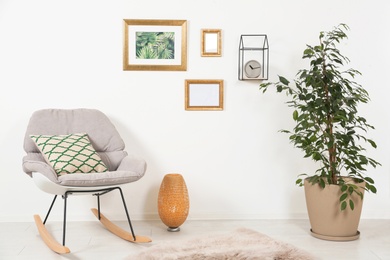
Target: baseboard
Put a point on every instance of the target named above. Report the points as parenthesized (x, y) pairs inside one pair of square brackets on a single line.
[(192, 216)]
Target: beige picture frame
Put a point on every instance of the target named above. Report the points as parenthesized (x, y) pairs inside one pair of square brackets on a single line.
[(211, 42), (204, 94)]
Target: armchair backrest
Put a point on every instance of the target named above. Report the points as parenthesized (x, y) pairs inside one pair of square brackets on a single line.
[(101, 132)]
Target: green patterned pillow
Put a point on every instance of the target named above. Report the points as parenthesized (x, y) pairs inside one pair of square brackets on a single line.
[(72, 153)]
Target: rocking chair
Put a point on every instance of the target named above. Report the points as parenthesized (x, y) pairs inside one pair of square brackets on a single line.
[(78, 151)]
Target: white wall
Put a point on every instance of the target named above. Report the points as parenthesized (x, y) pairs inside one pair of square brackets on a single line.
[(68, 54)]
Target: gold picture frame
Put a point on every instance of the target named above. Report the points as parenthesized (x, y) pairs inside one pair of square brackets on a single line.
[(211, 42), (140, 52), (204, 94)]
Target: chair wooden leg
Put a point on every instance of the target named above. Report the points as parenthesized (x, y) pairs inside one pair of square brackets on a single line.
[(48, 239), (119, 231)]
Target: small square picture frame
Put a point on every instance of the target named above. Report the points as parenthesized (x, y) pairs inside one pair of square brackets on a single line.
[(211, 42), (204, 94)]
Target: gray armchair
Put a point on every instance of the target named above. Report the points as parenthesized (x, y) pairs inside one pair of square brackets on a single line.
[(78, 151)]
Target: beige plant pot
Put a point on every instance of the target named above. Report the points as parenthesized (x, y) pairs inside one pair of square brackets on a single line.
[(326, 218)]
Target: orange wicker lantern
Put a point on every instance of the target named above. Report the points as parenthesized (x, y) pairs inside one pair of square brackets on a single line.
[(173, 201)]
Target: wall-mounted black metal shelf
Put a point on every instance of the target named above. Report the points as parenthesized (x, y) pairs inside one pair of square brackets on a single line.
[(253, 48)]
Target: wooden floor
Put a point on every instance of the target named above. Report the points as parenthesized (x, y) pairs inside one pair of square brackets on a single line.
[(90, 240)]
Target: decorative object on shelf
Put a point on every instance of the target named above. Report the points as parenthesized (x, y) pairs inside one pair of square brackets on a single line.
[(204, 94), (211, 45), (253, 57), (252, 69), (173, 201), (155, 45), (329, 130)]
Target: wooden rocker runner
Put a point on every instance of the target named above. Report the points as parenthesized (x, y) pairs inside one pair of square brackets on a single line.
[(119, 231), (79, 151)]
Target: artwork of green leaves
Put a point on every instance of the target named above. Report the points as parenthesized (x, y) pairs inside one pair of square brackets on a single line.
[(155, 45)]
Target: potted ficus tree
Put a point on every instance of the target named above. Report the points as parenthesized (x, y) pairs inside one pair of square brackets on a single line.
[(329, 130)]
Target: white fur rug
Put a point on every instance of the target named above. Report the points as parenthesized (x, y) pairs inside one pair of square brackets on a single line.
[(240, 244)]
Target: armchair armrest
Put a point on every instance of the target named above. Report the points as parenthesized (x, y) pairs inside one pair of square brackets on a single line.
[(134, 164), (34, 162)]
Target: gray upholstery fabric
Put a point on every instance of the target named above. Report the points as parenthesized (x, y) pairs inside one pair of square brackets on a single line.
[(101, 132), (103, 136)]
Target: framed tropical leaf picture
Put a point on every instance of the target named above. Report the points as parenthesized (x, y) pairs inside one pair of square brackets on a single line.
[(155, 45)]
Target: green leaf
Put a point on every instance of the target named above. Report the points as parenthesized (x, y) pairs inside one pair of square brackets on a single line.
[(368, 179), (343, 205), (371, 188), (343, 196), (351, 204), (373, 144), (265, 86), (322, 183), (308, 51), (295, 115), (284, 80), (316, 156)]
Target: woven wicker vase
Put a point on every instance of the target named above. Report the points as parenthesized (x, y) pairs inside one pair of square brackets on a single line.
[(173, 201)]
